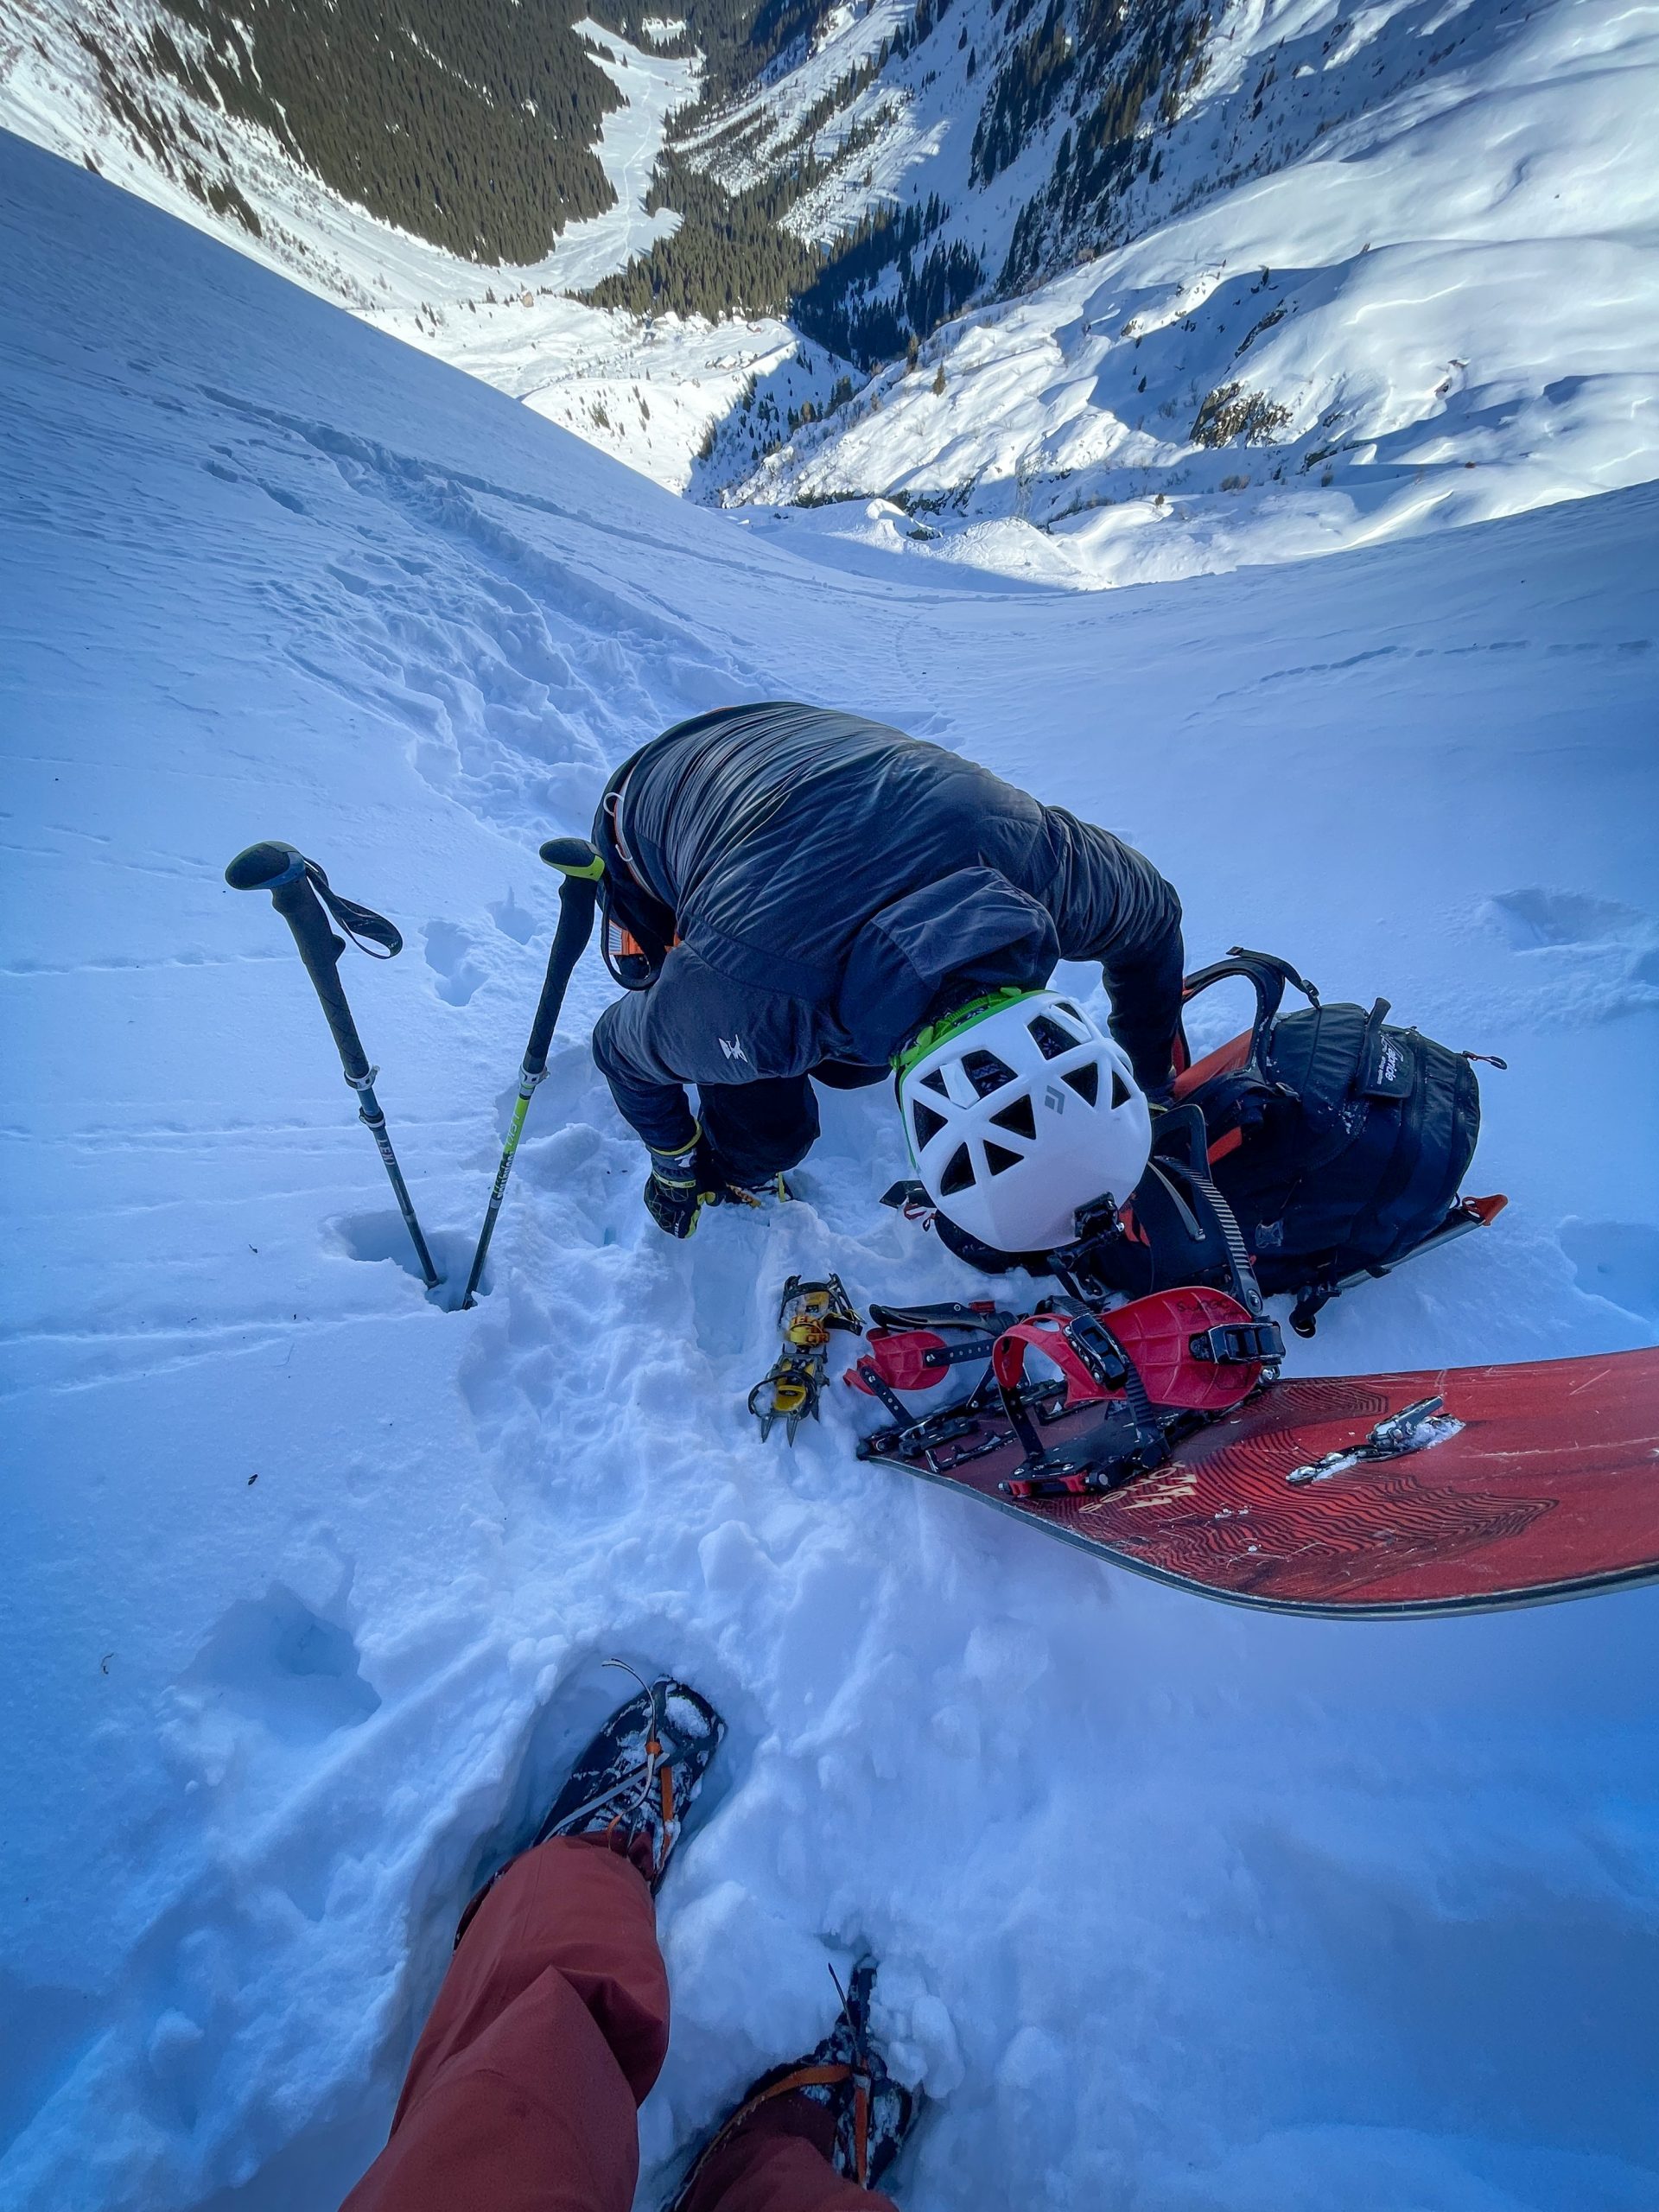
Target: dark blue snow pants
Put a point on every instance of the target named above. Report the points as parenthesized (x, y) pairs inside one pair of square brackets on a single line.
[(761, 1128)]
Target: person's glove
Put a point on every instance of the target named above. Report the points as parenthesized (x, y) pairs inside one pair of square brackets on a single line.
[(676, 1188)]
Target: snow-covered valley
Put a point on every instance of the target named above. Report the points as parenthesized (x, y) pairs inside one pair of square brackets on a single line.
[(1181, 1908), (649, 395), (1428, 304), (1367, 276)]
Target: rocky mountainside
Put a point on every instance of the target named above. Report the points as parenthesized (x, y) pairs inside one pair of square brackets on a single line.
[(911, 159), (1374, 274)]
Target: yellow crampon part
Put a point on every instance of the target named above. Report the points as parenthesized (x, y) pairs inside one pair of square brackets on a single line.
[(807, 1313)]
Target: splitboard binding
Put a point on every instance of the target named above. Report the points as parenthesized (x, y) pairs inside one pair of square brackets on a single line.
[(1157, 1368), (1160, 1436), (920, 1362), (793, 1387)]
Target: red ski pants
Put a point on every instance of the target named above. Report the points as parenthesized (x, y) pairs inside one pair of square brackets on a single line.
[(550, 2027)]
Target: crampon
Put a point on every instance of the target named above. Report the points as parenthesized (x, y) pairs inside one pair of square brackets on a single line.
[(792, 1388), (848, 2075)]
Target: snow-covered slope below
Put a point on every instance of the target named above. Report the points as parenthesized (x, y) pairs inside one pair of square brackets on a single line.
[(1181, 1908), (648, 394), (1333, 276), (1445, 307)]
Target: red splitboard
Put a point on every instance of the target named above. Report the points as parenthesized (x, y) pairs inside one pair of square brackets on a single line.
[(1549, 1490)]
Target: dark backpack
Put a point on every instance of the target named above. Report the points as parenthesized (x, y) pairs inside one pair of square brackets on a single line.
[(1338, 1139)]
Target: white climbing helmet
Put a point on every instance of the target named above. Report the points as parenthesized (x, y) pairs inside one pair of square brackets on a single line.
[(1018, 1110)]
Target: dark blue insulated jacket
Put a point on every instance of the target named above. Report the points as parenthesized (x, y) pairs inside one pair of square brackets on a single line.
[(832, 884)]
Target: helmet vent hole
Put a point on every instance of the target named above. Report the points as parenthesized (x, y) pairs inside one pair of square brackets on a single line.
[(958, 1175), (985, 1072), (1052, 1040), (926, 1123), (1019, 1119), (999, 1158), (1120, 1090), (934, 1081), (1085, 1081)]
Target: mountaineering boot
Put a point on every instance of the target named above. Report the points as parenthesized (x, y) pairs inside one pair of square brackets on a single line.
[(723, 1183), (676, 1188), (635, 1782), (682, 1183), (841, 2097)]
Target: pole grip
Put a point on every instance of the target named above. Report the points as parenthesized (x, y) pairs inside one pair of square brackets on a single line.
[(320, 949), (281, 870), (578, 896)]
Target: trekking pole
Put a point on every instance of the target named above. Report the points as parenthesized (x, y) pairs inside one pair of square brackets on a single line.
[(582, 867), (299, 890)]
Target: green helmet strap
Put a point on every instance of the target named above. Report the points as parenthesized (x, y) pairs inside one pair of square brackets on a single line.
[(935, 1033)]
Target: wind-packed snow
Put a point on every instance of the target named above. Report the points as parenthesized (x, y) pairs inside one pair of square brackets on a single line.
[(1181, 1908)]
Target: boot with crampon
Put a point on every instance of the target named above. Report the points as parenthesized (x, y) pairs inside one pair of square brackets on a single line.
[(841, 2096), (635, 1782)]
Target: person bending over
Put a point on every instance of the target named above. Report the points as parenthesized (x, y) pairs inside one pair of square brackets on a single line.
[(792, 892)]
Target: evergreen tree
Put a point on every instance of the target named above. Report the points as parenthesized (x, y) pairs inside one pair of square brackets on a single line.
[(470, 126)]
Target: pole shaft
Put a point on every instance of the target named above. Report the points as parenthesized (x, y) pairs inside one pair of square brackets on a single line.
[(369, 1113), (285, 874), (578, 896), (500, 1189)]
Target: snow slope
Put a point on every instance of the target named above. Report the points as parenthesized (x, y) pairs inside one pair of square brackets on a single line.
[(647, 394), (1181, 1909), (1443, 292), (1370, 273)]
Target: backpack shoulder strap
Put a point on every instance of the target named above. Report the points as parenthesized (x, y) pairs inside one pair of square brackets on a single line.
[(1267, 974)]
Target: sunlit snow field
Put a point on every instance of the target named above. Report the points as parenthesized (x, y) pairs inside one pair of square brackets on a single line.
[(1418, 237), (1180, 1910)]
